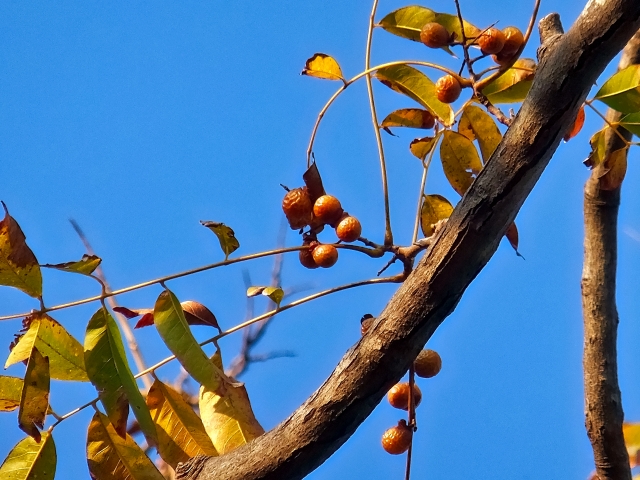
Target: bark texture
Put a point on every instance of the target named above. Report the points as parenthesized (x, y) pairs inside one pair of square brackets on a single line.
[(330, 416), (603, 403)]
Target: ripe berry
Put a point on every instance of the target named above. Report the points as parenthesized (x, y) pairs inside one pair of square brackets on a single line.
[(397, 440), (365, 323), (513, 41), (306, 258), (327, 209), (398, 396), (448, 89), (434, 35), (491, 41), (297, 207), (325, 256), (349, 229), (427, 364)]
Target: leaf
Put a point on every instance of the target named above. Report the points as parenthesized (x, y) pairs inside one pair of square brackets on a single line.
[(313, 181), (460, 160), (613, 170), (18, 265), (85, 266), (622, 91), (407, 22), (109, 372), (577, 125), (421, 147), (31, 460), (66, 357), (631, 433), (513, 237), (324, 66), (228, 420), (417, 86), (174, 330), (195, 313), (228, 242), (476, 124), (10, 393), (631, 122), (598, 147), (111, 457), (274, 293), (35, 395), (181, 434), (409, 117), (513, 86), (434, 208)]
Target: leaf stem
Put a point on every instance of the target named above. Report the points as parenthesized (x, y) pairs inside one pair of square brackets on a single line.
[(612, 126), (423, 183)]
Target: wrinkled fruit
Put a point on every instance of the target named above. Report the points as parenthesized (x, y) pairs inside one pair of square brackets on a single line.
[(325, 256), (365, 323), (306, 259), (491, 41), (513, 40), (434, 35), (297, 207), (349, 229), (398, 396), (448, 89), (397, 440), (427, 364), (327, 209)]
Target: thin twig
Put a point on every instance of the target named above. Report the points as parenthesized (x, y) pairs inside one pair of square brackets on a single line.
[(611, 125), (412, 419), (465, 47), (423, 184)]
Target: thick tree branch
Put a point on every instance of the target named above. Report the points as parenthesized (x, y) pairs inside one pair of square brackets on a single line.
[(367, 371), (603, 402)]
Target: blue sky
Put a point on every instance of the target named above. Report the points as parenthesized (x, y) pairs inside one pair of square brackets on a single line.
[(140, 120)]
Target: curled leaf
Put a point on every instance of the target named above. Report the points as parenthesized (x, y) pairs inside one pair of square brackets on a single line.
[(460, 160), (34, 400), (476, 124), (324, 66), (434, 208), (409, 117), (417, 86), (18, 265), (421, 147), (194, 312), (85, 266), (274, 293), (622, 91), (512, 86), (313, 181), (577, 125), (228, 241), (598, 148)]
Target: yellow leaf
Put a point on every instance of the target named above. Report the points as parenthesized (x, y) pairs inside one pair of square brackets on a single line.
[(324, 66), (228, 419), (228, 241), (181, 434), (31, 460), (434, 208), (460, 160), (35, 395), (10, 393), (86, 265), (476, 124), (421, 147), (409, 117), (513, 86), (274, 293), (111, 457), (18, 265)]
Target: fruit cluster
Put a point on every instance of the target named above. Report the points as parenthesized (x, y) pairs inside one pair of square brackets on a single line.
[(503, 45), (301, 211)]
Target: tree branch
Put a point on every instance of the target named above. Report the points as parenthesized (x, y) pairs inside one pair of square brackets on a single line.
[(431, 292), (603, 402)]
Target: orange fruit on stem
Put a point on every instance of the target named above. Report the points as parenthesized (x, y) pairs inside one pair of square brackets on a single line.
[(513, 40), (491, 41), (448, 89), (297, 207), (397, 439), (327, 209), (325, 256), (349, 229), (398, 396), (434, 35), (306, 258), (427, 364)]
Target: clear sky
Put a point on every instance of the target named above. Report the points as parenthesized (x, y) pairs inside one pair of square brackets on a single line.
[(138, 120)]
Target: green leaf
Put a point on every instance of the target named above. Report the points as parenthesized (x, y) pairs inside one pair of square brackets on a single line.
[(66, 357), (460, 160), (476, 124), (174, 330), (417, 86), (452, 24), (631, 122), (109, 372), (18, 265), (30, 460), (434, 208), (513, 86), (421, 147), (112, 457), (10, 393), (34, 400), (85, 266), (409, 117), (622, 91), (274, 293), (181, 434), (228, 242), (598, 148), (323, 66)]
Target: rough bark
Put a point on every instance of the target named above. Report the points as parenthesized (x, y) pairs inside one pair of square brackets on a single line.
[(331, 415), (603, 403)]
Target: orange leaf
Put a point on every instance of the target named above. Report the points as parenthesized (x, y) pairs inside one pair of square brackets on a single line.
[(577, 125)]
